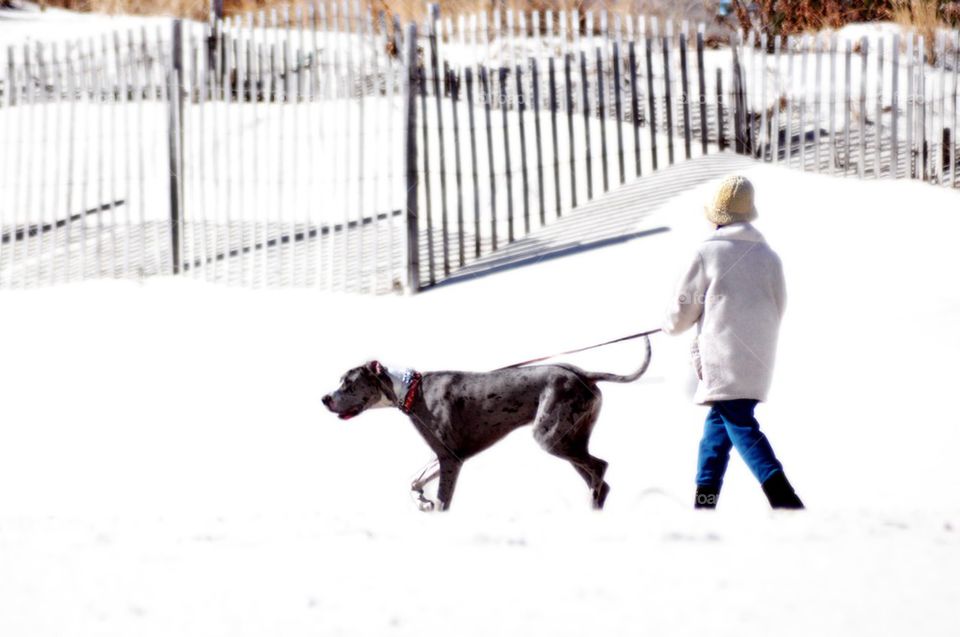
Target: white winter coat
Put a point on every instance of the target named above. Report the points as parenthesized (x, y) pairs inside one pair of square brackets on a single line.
[(735, 294)]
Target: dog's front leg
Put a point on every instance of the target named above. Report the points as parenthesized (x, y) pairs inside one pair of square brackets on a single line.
[(429, 473), (449, 470)]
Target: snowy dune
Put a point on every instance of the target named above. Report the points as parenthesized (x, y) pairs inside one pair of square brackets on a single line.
[(166, 466), (29, 25)]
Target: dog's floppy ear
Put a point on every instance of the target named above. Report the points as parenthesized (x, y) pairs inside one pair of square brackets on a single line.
[(382, 378)]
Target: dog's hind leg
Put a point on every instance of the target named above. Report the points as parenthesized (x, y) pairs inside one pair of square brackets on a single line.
[(563, 430), (596, 469), (592, 469)]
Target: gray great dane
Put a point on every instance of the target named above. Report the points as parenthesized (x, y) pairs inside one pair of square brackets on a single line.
[(459, 414)]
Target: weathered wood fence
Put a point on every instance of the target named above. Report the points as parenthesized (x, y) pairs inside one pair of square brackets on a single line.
[(524, 120), (258, 153), (324, 146), (565, 109)]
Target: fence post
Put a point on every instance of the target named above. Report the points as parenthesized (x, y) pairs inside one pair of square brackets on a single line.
[(535, 99), (567, 61), (879, 116), (953, 109), (553, 132), (634, 108), (585, 85), (651, 99), (213, 39), (685, 91), (738, 144), (895, 105), (174, 140), (524, 174), (503, 100), (433, 22), (468, 78), (777, 96), (922, 109), (11, 77), (602, 116), (453, 79), (666, 42), (410, 90), (701, 28), (618, 108), (862, 107), (846, 107), (487, 91), (818, 56), (802, 136), (721, 141)]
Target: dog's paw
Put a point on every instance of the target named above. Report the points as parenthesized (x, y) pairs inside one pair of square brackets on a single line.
[(424, 503)]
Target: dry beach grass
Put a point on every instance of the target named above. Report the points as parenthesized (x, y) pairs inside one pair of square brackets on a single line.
[(775, 17), (693, 10)]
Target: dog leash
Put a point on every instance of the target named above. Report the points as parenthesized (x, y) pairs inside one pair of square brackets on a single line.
[(581, 349)]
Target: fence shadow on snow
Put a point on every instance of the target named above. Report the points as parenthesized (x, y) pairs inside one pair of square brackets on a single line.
[(321, 146)]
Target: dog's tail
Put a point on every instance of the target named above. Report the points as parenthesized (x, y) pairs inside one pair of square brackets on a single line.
[(629, 378)]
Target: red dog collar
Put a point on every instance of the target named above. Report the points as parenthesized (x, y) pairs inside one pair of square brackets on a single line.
[(407, 405), (410, 379)]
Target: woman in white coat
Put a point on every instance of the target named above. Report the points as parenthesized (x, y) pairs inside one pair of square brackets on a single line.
[(734, 293)]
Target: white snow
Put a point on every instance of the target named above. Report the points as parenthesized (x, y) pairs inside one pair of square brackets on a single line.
[(29, 25), (166, 466)]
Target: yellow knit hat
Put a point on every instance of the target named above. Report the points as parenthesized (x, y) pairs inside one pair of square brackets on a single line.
[(732, 202)]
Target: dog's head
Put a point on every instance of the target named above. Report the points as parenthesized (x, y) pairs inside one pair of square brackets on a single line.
[(360, 389)]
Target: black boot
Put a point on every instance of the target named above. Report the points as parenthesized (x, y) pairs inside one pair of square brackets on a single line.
[(780, 493), (706, 497)]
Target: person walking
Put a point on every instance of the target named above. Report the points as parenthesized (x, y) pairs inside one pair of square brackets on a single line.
[(734, 292)]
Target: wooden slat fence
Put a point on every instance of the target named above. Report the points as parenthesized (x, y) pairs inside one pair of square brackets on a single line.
[(260, 151), (556, 109), (326, 146)]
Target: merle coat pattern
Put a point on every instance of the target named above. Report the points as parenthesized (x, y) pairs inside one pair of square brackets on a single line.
[(459, 414)]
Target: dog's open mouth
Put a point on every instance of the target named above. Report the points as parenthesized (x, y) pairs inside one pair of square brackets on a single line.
[(350, 413)]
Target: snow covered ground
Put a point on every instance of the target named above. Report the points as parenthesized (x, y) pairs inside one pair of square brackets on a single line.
[(29, 25), (166, 467)]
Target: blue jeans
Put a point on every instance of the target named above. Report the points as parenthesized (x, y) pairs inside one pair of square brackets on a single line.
[(730, 423)]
